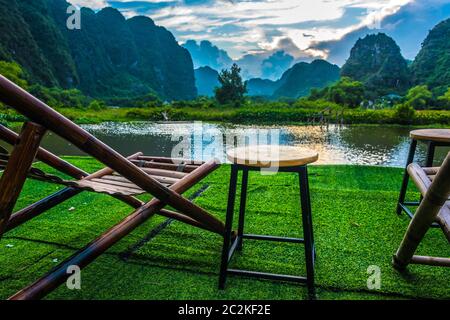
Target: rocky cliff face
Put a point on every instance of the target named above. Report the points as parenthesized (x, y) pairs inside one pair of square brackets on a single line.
[(432, 64), (302, 77), (109, 56), (262, 87), (376, 61), (206, 80)]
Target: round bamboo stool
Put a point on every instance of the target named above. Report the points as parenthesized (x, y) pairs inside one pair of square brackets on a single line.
[(435, 135), (283, 159), (267, 156)]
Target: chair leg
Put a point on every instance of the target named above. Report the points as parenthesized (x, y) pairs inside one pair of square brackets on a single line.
[(307, 230), (228, 227), (16, 171), (242, 205), (404, 187), (430, 154)]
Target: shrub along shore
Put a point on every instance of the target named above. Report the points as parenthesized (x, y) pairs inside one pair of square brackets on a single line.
[(244, 115)]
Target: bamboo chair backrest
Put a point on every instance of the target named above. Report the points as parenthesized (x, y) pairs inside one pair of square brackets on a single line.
[(439, 190), (432, 203), (435, 196), (40, 113)]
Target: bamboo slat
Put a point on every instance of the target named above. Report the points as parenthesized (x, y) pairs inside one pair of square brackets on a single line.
[(165, 173), (419, 177), (163, 165), (99, 187), (171, 160)]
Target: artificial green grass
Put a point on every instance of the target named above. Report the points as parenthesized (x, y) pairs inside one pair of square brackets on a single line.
[(354, 221)]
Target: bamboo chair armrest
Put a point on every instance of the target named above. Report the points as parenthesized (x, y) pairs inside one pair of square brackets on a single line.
[(420, 178)]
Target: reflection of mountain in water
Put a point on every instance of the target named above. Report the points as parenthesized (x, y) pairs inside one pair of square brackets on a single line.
[(365, 145)]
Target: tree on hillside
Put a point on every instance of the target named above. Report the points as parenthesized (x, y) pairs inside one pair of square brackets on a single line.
[(444, 100), (233, 88), (432, 64), (346, 92), (13, 72), (419, 97)]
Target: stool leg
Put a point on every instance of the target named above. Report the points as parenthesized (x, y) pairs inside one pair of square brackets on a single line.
[(307, 229), (242, 208), (430, 154), (228, 227), (401, 199)]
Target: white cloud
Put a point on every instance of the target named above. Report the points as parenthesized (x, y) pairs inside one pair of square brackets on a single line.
[(303, 21)]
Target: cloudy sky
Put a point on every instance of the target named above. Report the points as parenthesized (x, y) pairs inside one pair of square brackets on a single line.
[(299, 27)]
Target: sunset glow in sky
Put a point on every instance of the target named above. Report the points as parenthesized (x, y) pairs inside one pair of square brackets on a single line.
[(253, 26)]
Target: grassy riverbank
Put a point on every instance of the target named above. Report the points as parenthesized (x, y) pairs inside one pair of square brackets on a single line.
[(244, 115), (355, 227)]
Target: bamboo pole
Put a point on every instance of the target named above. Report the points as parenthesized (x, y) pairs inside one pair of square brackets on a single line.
[(45, 156), (425, 215), (184, 219), (13, 179), (63, 166), (431, 261), (37, 208), (53, 200)]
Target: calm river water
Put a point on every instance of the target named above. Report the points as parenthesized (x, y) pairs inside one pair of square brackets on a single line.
[(363, 145)]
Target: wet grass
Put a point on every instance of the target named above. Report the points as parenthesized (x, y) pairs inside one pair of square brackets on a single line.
[(355, 227)]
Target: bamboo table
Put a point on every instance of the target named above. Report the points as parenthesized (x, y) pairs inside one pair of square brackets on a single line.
[(282, 159), (433, 138)]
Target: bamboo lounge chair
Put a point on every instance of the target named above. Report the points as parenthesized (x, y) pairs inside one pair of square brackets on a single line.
[(434, 185), (123, 178)]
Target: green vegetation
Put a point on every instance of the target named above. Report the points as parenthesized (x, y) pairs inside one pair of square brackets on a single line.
[(60, 98), (253, 114), (108, 57), (444, 100), (432, 64), (419, 97), (326, 103), (13, 72), (377, 62), (302, 77), (206, 81), (345, 92), (115, 69), (337, 103), (296, 82), (405, 113), (232, 89), (355, 227)]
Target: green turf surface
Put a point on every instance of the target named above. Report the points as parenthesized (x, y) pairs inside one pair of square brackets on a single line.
[(355, 227)]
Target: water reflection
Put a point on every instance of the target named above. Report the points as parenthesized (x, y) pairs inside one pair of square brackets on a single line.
[(364, 145)]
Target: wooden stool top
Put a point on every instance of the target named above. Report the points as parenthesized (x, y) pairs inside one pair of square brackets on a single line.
[(268, 156), (438, 135)]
